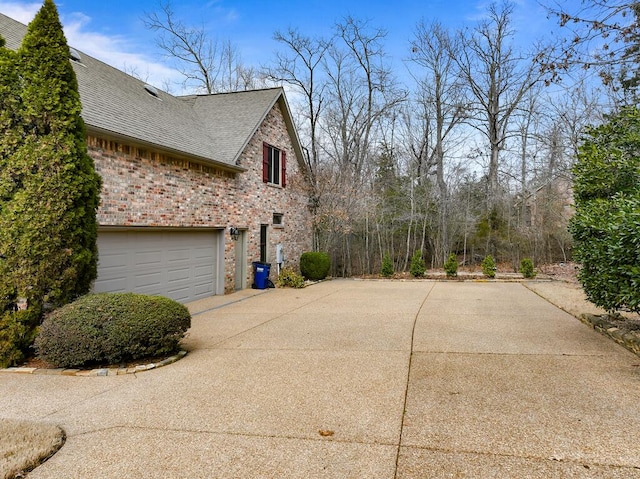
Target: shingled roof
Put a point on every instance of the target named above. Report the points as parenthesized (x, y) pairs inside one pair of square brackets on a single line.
[(213, 129)]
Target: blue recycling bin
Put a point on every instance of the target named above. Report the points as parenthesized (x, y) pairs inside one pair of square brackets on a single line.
[(261, 275)]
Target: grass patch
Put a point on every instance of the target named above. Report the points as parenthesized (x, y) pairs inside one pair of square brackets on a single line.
[(25, 445)]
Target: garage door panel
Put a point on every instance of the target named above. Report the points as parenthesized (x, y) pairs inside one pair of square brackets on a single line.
[(180, 255), (177, 264), (181, 274), (114, 260), (148, 258)]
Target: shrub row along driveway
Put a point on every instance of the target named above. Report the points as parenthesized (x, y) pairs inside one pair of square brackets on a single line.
[(356, 379)]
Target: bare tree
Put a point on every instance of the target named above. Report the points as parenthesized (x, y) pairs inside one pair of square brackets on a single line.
[(603, 36), (498, 78), (362, 92), (301, 66), (441, 98), (207, 64)]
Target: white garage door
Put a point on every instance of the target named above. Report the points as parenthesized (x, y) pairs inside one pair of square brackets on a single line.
[(181, 265)]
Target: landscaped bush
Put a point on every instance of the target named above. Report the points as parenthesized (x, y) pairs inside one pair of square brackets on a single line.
[(387, 266), (315, 265), (451, 266), (526, 268), (418, 267), (17, 331), (289, 278), (112, 328), (606, 224), (489, 266)]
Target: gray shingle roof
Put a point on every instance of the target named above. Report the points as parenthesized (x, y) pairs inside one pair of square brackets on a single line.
[(210, 128)]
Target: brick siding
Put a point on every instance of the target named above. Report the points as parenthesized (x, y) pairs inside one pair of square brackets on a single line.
[(148, 188)]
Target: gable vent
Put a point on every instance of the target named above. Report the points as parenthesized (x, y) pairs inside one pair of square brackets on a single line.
[(151, 90), (75, 55)]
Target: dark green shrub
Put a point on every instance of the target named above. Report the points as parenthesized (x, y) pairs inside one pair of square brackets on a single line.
[(418, 267), (387, 266), (111, 328), (526, 268), (49, 189), (289, 278), (451, 266), (17, 331), (489, 266), (315, 265), (606, 226)]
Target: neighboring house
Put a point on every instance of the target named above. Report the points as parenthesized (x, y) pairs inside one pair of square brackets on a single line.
[(179, 173)]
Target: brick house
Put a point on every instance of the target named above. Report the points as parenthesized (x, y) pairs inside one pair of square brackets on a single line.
[(180, 174)]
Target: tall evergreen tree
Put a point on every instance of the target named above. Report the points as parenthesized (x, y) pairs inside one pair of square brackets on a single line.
[(10, 138), (48, 225)]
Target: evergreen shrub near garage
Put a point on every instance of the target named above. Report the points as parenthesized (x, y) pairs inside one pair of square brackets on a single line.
[(112, 328), (17, 332), (315, 265)]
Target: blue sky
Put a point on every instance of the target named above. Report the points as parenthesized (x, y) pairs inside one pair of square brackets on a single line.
[(113, 31)]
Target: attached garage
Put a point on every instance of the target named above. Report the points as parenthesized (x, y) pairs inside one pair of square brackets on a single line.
[(183, 265)]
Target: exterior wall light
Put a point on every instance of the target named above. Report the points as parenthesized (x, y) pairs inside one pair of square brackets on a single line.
[(234, 233)]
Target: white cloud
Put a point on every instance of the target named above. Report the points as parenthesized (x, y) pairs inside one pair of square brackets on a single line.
[(114, 50), (21, 11)]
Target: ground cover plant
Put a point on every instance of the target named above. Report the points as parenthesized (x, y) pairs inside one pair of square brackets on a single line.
[(112, 328), (289, 278)]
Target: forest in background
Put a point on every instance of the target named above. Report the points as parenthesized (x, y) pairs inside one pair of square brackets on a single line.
[(472, 156)]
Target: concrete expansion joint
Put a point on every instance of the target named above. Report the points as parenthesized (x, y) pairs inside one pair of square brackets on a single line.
[(108, 371)]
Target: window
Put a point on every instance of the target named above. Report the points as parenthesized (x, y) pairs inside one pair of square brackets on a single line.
[(278, 220), (273, 166)]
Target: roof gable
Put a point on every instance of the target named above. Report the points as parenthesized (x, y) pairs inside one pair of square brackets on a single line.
[(241, 112), (210, 128)]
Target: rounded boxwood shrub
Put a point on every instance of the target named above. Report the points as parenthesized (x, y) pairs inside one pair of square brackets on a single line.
[(315, 265), (112, 328)]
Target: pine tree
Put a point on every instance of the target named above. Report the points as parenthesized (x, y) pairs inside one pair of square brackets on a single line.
[(48, 225)]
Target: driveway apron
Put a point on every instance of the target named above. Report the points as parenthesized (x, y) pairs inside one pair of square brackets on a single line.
[(356, 379)]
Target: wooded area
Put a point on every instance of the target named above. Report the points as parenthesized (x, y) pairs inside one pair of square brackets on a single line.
[(471, 155)]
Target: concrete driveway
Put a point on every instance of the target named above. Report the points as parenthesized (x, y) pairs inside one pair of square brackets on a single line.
[(356, 379)]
